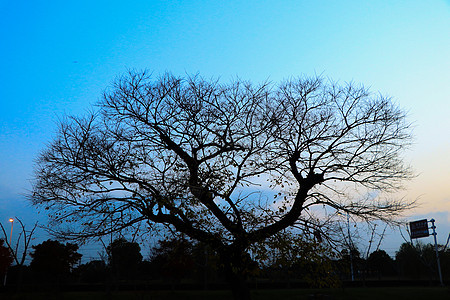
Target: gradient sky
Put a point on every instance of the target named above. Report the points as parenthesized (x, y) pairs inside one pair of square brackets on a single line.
[(57, 57)]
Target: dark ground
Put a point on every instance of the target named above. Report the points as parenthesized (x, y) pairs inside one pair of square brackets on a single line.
[(358, 293)]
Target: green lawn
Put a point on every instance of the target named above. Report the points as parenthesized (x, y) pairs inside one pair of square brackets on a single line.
[(409, 293)]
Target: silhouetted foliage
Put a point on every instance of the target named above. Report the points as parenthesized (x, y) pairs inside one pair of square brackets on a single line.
[(381, 264), (350, 259), (95, 271), (417, 261), (173, 259), (52, 259), (289, 256), (408, 261), (124, 257), (188, 154), (23, 241), (5, 259), (20, 275), (445, 263), (428, 259), (207, 264)]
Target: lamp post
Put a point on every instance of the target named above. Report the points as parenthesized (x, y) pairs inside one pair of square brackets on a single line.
[(10, 247), (12, 224), (437, 252)]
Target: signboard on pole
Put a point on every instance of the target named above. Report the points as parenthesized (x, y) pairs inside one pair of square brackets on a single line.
[(419, 229)]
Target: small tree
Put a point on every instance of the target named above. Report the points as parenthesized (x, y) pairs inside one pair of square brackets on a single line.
[(22, 243), (381, 264), (52, 259), (124, 257), (19, 248), (204, 158)]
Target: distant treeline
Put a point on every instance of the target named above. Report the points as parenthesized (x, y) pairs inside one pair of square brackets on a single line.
[(179, 263)]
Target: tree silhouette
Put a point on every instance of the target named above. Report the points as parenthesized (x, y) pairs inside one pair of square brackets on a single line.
[(23, 242), (287, 255), (381, 264), (124, 257), (409, 262), (173, 258), (54, 260), (417, 261), (229, 165), (351, 264), (5, 259), (94, 271)]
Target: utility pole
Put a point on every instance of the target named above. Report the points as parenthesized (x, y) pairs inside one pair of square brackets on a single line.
[(420, 229), (10, 247), (437, 252)]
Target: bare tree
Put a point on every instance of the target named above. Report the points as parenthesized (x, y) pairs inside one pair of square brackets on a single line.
[(19, 248), (22, 242), (229, 165)]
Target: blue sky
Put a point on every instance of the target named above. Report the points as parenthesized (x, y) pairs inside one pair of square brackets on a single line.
[(58, 56)]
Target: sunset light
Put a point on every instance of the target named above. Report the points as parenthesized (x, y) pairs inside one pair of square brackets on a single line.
[(224, 145)]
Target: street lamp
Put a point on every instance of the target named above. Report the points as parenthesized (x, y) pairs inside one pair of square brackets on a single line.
[(10, 247), (12, 224)]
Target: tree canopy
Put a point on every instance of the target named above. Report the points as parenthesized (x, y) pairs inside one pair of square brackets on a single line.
[(381, 263), (124, 257), (173, 258), (229, 165), (54, 258)]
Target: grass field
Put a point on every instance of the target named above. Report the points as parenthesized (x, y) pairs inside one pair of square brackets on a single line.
[(408, 293)]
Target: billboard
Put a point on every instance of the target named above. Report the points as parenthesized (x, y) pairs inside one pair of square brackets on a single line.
[(419, 229)]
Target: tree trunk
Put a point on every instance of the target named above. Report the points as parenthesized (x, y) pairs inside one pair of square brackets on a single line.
[(236, 267), (238, 284)]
